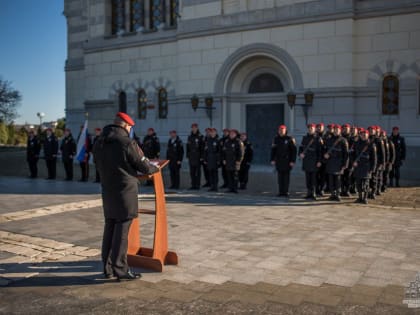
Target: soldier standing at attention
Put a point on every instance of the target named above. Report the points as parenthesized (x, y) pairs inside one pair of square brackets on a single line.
[(337, 157), (380, 161), (345, 181), (118, 159), (400, 152), (68, 151), (195, 146), (390, 159), (175, 154), (151, 145), (33, 148), (221, 145), (310, 151), (354, 137), (50, 153), (97, 134), (205, 169), (364, 164), (246, 161), (232, 156), (321, 174), (212, 158), (283, 157), (84, 165), (328, 134)]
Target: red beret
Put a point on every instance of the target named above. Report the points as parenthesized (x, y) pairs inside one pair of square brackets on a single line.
[(98, 129), (282, 127), (372, 127), (194, 125), (234, 130), (364, 131), (395, 128), (226, 130), (213, 129), (330, 126), (346, 126), (378, 128), (151, 129), (320, 125), (208, 129), (337, 126), (384, 132), (311, 126), (126, 118), (172, 131)]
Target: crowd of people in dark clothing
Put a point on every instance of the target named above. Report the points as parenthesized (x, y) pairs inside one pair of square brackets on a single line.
[(342, 160)]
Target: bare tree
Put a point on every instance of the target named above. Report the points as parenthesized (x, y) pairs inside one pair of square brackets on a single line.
[(9, 101)]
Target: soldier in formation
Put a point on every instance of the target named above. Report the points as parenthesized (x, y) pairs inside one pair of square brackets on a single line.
[(232, 155), (33, 149), (175, 154), (246, 161), (195, 147), (50, 153), (68, 152)]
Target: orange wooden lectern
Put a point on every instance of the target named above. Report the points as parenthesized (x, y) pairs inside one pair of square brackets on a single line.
[(158, 256)]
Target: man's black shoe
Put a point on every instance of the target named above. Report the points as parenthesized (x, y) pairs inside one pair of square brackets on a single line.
[(129, 276), (223, 186), (206, 185)]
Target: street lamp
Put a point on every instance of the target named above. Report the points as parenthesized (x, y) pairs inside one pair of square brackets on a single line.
[(208, 101), (309, 100), (40, 116)]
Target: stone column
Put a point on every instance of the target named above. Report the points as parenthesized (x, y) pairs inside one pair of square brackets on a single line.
[(147, 7), (127, 16)]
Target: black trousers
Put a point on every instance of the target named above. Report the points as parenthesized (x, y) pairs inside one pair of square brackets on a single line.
[(321, 177), (232, 177), (206, 173), (243, 175), (97, 177), (379, 179), (345, 181), (174, 172), (283, 180), (68, 168), (213, 178), (334, 182), (115, 246), (395, 173), (84, 167), (385, 177), (311, 182), (224, 176), (51, 167), (195, 174), (362, 185), (33, 167)]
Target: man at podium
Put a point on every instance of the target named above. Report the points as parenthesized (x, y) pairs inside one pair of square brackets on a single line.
[(118, 158)]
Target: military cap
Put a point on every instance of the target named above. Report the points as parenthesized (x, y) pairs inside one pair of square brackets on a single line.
[(126, 118)]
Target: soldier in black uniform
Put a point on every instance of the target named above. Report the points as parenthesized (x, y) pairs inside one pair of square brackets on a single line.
[(232, 155), (212, 156), (310, 151), (328, 134), (337, 159), (84, 164), (118, 159), (345, 178), (246, 161), (205, 169), (151, 145), (400, 152), (97, 134), (221, 145), (32, 153), (50, 153), (175, 154), (364, 164), (68, 151), (321, 175), (195, 147), (390, 160), (376, 178), (283, 157), (354, 137)]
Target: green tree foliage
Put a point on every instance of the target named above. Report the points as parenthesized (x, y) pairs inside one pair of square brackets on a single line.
[(9, 101), (11, 134), (21, 136), (3, 133)]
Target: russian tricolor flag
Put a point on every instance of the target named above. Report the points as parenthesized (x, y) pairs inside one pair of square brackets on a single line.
[(83, 143)]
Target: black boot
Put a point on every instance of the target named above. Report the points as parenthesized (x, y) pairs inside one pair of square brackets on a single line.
[(364, 199), (397, 183), (360, 199)]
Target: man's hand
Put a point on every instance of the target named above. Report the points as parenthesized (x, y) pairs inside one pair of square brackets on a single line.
[(326, 156), (319, 164), (273, 163), (178, 162), (291, 164), (224, 162), (302, 156), (355, 164)]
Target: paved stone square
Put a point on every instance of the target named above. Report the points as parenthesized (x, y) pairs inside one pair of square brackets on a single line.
[(246, 253)]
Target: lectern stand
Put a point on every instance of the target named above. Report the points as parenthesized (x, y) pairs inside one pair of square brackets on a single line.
[(158, 256)]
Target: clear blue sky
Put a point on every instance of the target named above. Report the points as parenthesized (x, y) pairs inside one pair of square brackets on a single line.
[(32, 55)]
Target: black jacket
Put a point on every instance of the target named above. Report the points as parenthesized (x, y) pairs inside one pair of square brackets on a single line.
[(118, 159), (32, 149), (365, 152), (151, 146), (68, 148), (283, 152), (50, 147), (380, 151), (232, 154), (195, 147), (248, 153), (212, 154), (400, 149), (338, 149), (313, 154), (175, 152)]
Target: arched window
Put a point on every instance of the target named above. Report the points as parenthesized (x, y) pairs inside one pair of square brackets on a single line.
[(137, 15), (265, 83), (157, 13), (118, 16), (163, 103), (390, 95), (142, 104), (122, 102)]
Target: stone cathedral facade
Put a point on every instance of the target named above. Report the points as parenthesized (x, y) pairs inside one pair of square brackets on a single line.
[(360, 58)]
